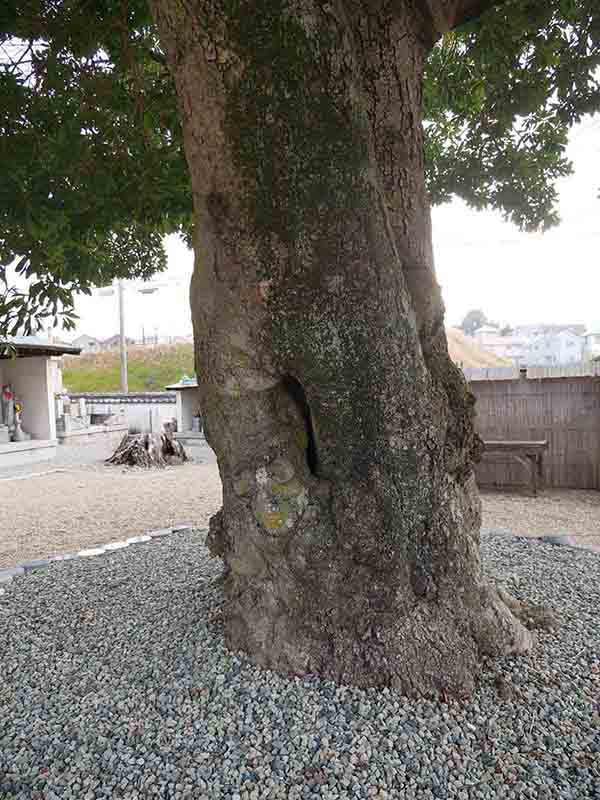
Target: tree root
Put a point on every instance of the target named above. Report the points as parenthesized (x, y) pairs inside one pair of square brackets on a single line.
[(531, 615)]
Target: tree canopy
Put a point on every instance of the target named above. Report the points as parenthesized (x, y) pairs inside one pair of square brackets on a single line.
[(474, 319), (94, 174)]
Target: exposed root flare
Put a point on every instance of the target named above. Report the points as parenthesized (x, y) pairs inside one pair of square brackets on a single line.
[(531, 615)]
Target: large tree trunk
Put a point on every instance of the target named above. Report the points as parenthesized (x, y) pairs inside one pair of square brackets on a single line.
[(343, 432)]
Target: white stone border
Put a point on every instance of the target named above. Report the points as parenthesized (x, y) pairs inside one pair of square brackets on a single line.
[(8, 574)]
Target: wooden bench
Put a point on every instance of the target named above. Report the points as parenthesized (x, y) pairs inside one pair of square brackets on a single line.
[(529, 454)]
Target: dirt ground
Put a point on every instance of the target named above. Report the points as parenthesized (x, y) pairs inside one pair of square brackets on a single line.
[(571, 512), (54, 512), (62, 512)]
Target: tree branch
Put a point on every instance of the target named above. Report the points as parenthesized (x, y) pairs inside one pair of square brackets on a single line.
[(159, 58), (467, 10), (442, 16)]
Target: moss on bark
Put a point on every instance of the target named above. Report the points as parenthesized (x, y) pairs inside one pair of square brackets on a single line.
[(344, 435)]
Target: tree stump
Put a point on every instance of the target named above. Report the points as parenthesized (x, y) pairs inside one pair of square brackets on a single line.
[(148, 450)]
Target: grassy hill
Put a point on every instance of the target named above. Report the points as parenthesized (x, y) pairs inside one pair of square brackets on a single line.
[(150, 369)]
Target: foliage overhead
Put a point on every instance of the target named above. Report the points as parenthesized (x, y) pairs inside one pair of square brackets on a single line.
[(500, 97), (89, 129), (94, 173)]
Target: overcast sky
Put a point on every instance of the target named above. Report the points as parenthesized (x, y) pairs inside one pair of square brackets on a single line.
[(482, 262)]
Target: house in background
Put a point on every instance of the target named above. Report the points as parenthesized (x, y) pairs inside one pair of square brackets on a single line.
[(113, 343), (87, 344), (535, 345), (554, 349), (543, 329), (512, 348), (591, 348)]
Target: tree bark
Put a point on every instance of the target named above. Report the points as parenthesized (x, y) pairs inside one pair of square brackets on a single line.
[(148, 450), (344, 434)]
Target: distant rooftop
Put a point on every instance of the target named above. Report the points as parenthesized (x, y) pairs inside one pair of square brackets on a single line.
[(488, 329), (551, 327), (34, 346)]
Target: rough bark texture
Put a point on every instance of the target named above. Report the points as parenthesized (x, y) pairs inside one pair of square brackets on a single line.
[(148, 450), (343, 432)]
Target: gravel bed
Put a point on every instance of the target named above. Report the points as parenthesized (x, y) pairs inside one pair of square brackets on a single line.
[(115, 683)]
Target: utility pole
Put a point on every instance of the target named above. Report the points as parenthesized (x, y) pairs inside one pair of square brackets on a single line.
[(122, 341)]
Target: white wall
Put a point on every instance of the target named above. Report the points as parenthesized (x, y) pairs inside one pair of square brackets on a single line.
[(31, 380), (143, 416), (56, 381), (148, 416)]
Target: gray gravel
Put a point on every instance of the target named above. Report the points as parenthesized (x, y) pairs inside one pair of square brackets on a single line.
[(115, 683)]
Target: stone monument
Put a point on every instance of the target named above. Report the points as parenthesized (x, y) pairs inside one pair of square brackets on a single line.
[(4, 435), (11, 410), (19, 435), (71, 415), (7, 413)]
